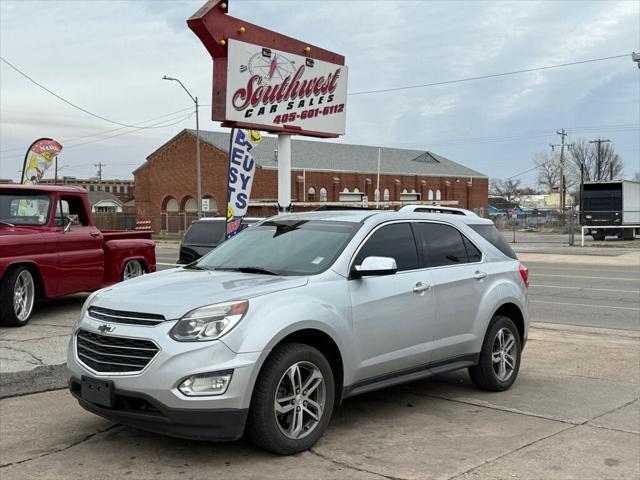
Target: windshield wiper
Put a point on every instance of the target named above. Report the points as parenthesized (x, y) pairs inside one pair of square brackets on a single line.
[(194, 266), (7, 223), (249, 270)]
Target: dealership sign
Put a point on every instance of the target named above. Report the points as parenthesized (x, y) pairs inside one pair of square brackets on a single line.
[(271, 88)]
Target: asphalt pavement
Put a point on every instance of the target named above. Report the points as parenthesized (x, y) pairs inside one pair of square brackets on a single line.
[(573, 413)]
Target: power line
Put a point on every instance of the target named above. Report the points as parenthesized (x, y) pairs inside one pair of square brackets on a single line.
[(482, 77), (64, 99), (154, 126), (180, 120)]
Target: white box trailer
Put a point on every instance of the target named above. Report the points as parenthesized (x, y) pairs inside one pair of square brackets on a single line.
[(610, 208)]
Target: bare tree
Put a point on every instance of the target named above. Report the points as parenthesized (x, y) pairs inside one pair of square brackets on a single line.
[(605, 164), (548, 171), (507, 189)]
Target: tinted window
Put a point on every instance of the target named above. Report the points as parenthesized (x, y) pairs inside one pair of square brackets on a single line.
[(205, 233), (491, 234), (441, 245), (473, 253), (395, 241)]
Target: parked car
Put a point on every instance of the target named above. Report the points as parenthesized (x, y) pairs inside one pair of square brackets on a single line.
[(268, 332), (204, 235), (49, 247), (436, 209)]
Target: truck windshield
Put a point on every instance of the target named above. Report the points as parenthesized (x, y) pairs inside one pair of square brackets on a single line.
[(24, 208), (303, 247)]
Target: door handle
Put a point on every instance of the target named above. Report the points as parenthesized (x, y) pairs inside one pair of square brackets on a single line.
[(421, 287), (95, 234), (479, 275)]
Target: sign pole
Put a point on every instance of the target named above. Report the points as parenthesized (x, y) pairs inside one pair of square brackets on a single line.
[(284, 173)]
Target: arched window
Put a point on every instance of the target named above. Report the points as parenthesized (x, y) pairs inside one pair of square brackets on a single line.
[(430, 195), (413, 190), (376, 195), (438, 195), (404, 190), (355, 190), (311, 194), (190, 205), (385, 195), (323, 194), (345, 190), (171, 205)]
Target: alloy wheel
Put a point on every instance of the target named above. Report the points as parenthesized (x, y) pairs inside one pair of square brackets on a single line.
[(504, 354), (300, 400), (131, 270), (23, 295)]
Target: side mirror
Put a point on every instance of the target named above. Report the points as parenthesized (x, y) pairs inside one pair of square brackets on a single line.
[(70, 220), (375, 266)]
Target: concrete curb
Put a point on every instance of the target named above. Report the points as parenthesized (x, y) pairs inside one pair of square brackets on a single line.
[(626, 260)]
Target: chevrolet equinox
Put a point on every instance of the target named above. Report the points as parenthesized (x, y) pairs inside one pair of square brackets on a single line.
[(268, 332)]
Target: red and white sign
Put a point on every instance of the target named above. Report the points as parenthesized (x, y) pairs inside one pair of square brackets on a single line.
[(274, 90)]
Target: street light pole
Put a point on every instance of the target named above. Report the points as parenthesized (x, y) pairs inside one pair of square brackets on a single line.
[(198, 176)]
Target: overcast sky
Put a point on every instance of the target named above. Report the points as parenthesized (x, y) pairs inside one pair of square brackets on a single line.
[(109, 57)]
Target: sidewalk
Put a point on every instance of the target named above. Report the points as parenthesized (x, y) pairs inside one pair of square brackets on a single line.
[(573, 413)]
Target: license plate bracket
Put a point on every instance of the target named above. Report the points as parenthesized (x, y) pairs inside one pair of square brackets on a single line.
[(100, 392)]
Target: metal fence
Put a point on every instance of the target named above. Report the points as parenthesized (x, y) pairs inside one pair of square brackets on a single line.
[(562, 227)]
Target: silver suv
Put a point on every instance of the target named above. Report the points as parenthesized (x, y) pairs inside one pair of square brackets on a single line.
[(271, 330)]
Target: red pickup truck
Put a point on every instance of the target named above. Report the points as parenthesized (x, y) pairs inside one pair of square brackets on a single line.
[(49, 247)]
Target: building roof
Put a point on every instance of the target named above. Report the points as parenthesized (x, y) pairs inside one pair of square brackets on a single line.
[(42, 188), (96, 197), (343, 157)]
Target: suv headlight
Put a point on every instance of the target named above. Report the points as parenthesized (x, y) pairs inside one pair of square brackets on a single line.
[(209, 322), (87, 303)]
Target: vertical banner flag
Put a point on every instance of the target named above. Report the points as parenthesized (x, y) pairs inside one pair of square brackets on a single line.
[(242, 167), (38, 159)]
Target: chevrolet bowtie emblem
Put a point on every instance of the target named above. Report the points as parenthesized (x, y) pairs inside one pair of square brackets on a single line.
[(104, 328)]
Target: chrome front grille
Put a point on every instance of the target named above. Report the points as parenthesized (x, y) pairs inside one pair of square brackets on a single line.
[(111, 354), (131, 318)]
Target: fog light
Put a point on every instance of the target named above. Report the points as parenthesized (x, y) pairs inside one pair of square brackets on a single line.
[(214, 383)]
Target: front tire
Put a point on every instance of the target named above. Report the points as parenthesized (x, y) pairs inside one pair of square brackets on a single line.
[(132, 269), (17, 297), (499, 361), (292, 400)]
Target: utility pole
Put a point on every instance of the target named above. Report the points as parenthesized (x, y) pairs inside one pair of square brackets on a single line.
[(600, 141), (99, 165), (198, 175), (562, 191)]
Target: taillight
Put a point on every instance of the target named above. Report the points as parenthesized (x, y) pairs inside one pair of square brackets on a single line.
[(524, 273)]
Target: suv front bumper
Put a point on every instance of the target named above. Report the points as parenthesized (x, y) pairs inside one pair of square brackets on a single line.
[(151, 400), (142, 411)]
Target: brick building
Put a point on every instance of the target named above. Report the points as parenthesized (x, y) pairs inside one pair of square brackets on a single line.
[(322, 172), (123, 189)]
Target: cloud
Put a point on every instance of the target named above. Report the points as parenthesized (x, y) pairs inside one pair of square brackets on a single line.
[(109, 57)]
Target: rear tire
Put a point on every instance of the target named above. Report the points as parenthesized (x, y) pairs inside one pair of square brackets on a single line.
[(499, 361), (17, 297), (285, 400)]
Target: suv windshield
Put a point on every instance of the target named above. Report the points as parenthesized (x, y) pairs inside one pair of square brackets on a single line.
[(303, 247), (24, 208)]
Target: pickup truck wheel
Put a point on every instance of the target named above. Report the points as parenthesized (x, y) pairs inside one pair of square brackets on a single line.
[(17, 296), (499, 361), (132, 269), (292, 400)]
